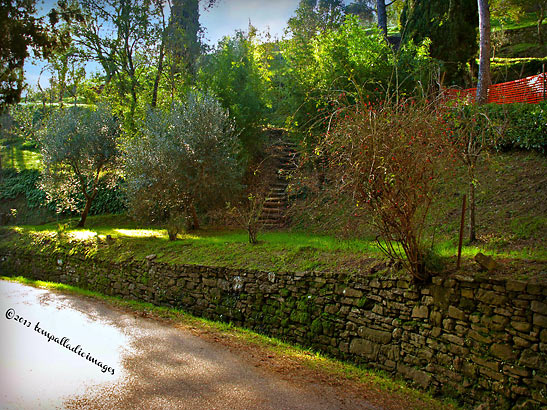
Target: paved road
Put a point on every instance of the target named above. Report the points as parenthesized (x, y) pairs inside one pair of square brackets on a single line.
[(148, 364)]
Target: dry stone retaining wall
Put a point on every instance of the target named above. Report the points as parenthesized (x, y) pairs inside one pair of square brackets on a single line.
[(476, 340)]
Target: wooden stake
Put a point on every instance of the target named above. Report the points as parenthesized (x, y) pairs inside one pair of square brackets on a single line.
[(544, 82), (461, 232)]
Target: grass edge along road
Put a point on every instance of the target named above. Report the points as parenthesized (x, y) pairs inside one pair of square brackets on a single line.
[(280, 356)]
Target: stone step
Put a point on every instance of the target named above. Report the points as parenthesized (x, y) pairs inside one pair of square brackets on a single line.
[(285, 154), (272, 224), (270, 203), (271, 215), (279, 196), (274, 207)]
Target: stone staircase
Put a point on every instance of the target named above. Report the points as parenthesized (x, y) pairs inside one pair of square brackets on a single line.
[(283, 161)]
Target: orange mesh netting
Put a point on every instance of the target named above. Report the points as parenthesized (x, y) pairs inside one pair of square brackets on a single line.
[(526, 90)]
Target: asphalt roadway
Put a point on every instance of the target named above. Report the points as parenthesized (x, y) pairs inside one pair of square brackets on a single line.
[(65, 351)]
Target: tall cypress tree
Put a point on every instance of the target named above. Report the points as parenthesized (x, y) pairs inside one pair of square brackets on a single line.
[(452, 27), (184, 32)]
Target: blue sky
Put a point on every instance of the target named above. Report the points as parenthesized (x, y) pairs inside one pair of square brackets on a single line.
[(221, 20)]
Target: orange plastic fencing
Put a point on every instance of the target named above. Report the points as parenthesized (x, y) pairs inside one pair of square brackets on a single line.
[(525, 90)]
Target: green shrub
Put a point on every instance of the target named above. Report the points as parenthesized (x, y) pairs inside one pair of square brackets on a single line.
[(524, 125), (345, 65), (232, 74), (15, 184), (79, 149), (185, 160), (110, 197), (510, 69)]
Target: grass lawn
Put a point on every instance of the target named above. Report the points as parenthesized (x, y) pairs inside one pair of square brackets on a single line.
[(277, 251), (527, 20), (15, 155)]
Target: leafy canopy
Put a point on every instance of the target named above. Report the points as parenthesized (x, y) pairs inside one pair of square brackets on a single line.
[(79, 146), (185, 158)]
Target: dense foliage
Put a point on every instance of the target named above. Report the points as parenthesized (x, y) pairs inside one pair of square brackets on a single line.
[(351, 63), (524, 125), (452, 28), (110, 198), (184, 159), (231, 73), (79, 146)]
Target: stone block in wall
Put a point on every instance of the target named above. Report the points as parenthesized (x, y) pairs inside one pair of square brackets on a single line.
[(210, 282), (456, 313), (491, 374), (420, 312), (458, 350), (480, 337), (503, 351), (495, 322), (490, 297), (520, 342), (364, 348), (421, 378), (454, 339), (516, 371), (441, 296), (540, 320), (515, 286), (539, 307), (468, 293), (436, 318), (378, 336), (534, 360), (535, 288)]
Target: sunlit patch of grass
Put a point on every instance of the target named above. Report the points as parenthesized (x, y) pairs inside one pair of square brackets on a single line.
[(527, 20), (141, 233), (448, 249), (276, 251), (82, 235), (15, 157)]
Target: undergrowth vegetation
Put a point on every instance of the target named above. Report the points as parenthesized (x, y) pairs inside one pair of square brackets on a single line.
[(379, 157)]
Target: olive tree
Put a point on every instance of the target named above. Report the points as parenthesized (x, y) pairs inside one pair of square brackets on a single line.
[(184, 159), (79, 148)]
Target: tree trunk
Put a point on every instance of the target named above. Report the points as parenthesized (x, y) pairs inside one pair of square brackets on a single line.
[(85, 212), (160, 62), (194, 215), (541, 17), (382, 15), (158, 76), (472, 230), (484, 60)]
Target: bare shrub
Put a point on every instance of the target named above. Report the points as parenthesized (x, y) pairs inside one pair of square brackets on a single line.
[(248, 212), (389, 158)]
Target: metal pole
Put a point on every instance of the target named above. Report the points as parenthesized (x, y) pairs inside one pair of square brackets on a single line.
[(461, 232)]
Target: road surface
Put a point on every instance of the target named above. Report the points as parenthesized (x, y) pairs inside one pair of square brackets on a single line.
[(66, 351)]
